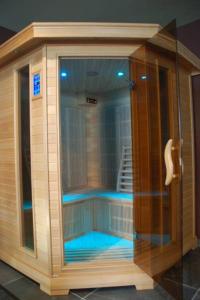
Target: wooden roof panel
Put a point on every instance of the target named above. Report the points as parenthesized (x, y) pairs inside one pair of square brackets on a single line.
[(38, 33)]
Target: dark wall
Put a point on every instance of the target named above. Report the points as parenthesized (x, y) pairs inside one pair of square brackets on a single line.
[(20, 13), (190, 36), (5, 34), (196, 106)]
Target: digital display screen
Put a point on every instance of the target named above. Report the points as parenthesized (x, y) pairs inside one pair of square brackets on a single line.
[(36, 84)]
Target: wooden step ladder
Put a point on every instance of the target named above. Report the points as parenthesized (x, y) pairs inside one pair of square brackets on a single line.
[(125, 174)]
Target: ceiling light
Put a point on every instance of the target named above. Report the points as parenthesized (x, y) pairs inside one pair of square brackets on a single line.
[(63, 74), (143, 77), (120, 74)]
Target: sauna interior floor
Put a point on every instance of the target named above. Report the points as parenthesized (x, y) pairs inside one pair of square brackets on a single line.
[(97, 245)]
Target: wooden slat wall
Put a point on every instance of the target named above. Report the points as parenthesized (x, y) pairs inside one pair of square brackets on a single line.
[(109, 216), (77, 218), (11, 249), (54, 159), (39, 166), (8, 208), (74, 163), (189, 238)]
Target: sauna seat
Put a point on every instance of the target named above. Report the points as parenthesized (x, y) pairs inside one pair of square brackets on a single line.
[(73, 197), (109, 195)]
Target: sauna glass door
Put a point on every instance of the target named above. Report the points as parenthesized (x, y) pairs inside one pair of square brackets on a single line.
[(96, 159), (156, 159)]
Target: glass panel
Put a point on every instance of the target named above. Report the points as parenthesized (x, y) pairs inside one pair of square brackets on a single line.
[(25, 158), (157, 204), (96, 164)]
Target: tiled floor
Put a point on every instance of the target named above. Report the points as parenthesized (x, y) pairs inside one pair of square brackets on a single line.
[(14, 285)]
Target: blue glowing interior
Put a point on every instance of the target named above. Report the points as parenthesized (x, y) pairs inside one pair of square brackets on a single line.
[(113, 195), (100, 194), (97, 240)]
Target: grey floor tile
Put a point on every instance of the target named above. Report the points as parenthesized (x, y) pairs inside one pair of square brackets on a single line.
[(197, 295), (129, 293), (83, 292), (191, 267), (179, 291), (5, 296), (8, 274), (190, 270), (191, 273), (26, 289)]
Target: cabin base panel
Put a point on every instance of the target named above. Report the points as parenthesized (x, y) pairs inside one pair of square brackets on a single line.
[(51, 292), (145, 286), (127, 274), (99, 277)]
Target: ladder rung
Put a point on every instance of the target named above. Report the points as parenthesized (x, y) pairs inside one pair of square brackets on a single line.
[(125, 171), (126, 190), (126, 183), (126, 177)]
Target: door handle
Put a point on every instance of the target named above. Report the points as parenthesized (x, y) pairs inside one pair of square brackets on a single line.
[(169, 162)]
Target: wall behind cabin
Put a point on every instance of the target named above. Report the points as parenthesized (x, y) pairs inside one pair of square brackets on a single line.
[(143, 11), (196, 111), (5, 34)]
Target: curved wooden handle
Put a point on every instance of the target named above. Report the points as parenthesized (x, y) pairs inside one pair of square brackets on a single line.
[(168, 162)]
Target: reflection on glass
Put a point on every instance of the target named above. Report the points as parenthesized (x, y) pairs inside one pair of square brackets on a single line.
[(165, 136), (96, 159), (25, 158)]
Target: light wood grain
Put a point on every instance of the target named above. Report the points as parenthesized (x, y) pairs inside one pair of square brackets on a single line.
[(11, 249), (46, 266), (38, 33)]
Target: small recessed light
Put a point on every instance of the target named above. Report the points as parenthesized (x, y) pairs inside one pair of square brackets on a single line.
[(63, 74), (143, 77), (120, 74)]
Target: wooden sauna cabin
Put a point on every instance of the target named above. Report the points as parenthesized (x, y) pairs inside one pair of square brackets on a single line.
[(96, 154)]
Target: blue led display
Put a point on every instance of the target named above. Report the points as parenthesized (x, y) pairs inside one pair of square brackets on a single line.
[(36, 84)]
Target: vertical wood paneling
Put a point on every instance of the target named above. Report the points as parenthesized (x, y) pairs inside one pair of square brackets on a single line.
[(8, 209), (74, 163), (11, 249), (53, 162)]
